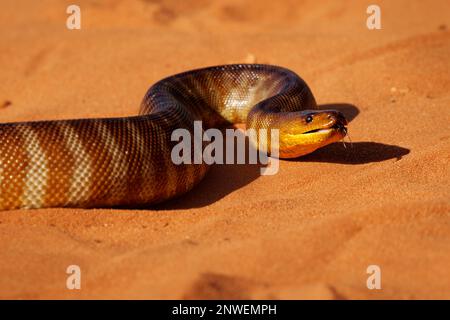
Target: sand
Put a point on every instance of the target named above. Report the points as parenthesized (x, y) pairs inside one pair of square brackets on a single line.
[(308, 232)]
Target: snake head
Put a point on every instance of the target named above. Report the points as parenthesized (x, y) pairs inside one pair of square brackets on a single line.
[(308, 130)]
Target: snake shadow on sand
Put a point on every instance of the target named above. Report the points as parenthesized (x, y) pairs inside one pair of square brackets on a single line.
[(224, 179)]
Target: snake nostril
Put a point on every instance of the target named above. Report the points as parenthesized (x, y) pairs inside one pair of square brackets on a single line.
[(332, 117)]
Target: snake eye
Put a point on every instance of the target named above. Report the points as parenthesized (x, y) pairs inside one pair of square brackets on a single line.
[(309, 119)]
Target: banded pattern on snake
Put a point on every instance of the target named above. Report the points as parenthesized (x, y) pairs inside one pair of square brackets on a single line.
[(108, 162)]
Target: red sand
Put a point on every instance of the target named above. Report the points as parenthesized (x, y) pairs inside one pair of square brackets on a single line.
[(308, 232)]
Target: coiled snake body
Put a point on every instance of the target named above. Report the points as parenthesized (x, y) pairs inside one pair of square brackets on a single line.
[(127, 161)]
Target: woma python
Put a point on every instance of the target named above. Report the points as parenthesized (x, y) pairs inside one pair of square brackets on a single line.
[(126, 161)]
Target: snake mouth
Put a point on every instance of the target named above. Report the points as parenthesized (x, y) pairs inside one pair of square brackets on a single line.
[(337, 126)]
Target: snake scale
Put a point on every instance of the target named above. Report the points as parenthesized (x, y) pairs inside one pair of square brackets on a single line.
[(107, 162)]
